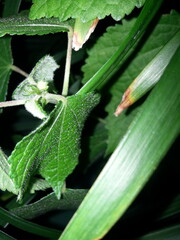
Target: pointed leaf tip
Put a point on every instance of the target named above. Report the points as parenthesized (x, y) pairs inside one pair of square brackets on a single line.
[(126, 101)]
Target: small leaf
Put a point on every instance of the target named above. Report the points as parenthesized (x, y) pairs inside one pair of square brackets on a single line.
[(54, 146), (19, 25), (6, 182), (44, 70), (5, 66), (36, 84), (85, 10), (37, 81), (35, 109), (39, 184)]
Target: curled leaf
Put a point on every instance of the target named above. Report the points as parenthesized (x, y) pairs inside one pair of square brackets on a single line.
[(150, 74), (82, 32)]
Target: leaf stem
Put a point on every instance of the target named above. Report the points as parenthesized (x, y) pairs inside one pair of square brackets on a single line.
[(50, 98), (68, 63), (12, 103), (20, 71)]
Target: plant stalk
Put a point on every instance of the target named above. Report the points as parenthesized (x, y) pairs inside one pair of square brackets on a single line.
[(68, 64), (20, 71), (12, 103)]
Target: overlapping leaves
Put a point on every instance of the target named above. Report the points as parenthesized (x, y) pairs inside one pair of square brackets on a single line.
[(53, 148), (104, 48)]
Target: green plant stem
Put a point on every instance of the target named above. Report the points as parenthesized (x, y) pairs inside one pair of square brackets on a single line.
[(20, 71), (28, 226), (112, 65), (68, 64)]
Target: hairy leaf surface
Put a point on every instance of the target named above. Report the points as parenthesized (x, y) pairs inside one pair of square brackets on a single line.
[(6, 182), (85, 10), (19, 25), (54, 146)]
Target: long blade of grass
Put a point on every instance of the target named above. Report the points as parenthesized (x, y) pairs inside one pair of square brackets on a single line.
[(168, 233), (112, 65), (28, 226), (135, 159), (4, 236)]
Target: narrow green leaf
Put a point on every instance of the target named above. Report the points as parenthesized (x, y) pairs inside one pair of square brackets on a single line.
[(85, 10), (150, 74), (54, 146), (71, 200), (11, 7), (6, 182), (134, 160), (5, 49), (5, 66), (4, 236), (19, 25), (113, 63), (168, 233), (28, 226), (172, 209)]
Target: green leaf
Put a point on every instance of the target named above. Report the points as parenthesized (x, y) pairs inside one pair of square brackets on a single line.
[(133, 161), (54, 146), (5, 66), (5, 236), (37, 81), (168, 233), (35, 85), (39, 184), (166, 28), (28, 226), (71, 200), (6, 182), (5, 49), (11, 7), (85, 10), (19, 25)]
